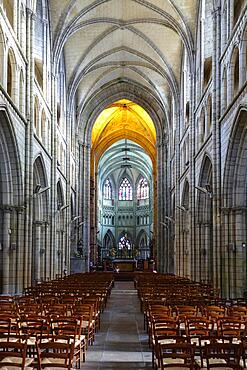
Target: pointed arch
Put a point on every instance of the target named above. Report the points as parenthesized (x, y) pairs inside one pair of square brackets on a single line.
[(11, 73), (109, 241), (10, 165), (2, 55), (40, 180), (60, 195), (142, 240), (185, 195), (107, 189), (43, 127), (235, 172), (235, 70), (125, 190), (142, 188), (21, 93), (36, 115)]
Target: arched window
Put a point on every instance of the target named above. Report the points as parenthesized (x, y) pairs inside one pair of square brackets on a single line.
[(43, 127), (143, 189), (107, 189), (124, 243), (36, 116), (9, 76), (125, 190)]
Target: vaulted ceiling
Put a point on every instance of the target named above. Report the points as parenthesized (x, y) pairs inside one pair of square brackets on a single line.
[(123, 120), (125, 155), (139, 41)]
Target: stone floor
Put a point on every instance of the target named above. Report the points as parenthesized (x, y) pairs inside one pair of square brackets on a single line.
[(121, 342)]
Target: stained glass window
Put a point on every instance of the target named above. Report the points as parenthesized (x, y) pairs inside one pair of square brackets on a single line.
[(125, 190), (107, 190), (142, 189), (124, 243)]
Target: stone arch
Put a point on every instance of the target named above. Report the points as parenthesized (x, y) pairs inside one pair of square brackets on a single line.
[(205, 178), (21, 93), (234, 207), (184, 217), (2, 56), (244, 45), (40, 219), (10, 167), (11, 200), (114, 91), (109, 245), (40, 180), (204, 224), (209, 114), (11, 74), (43, 128), (36, 115), (224, 93), (60, 195), (142, 239), (235, 71), (202, 128)]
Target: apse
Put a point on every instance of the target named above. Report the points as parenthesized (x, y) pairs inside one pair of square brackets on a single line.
[(125, 205)]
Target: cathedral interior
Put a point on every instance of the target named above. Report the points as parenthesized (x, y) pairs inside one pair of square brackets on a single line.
[(123, 138)]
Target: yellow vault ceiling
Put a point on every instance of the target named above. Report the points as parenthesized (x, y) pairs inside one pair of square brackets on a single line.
[(123, 119)]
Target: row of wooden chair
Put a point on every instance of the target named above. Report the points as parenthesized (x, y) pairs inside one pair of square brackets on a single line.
[(181, 354), (50, 329)]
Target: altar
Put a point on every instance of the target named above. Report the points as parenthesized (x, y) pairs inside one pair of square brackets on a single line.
[(124, 265)]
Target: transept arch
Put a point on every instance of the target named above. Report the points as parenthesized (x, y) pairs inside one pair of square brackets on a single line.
[(11, 203), (234, 208)]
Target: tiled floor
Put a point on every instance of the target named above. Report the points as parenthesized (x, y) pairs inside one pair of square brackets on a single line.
[(121, 342)]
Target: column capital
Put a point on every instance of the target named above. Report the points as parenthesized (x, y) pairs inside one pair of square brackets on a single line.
[(38, 223), (7, 208)]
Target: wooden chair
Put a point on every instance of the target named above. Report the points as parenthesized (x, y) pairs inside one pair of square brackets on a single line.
[(222, 356), (176, 355), (230, 327), (70, 328), (56, 354), (13, 356)]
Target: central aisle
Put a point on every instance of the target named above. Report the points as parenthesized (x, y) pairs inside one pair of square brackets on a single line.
[(121, 342)]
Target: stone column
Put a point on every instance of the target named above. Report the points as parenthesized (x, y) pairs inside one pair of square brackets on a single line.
[(6, 247), (177, 191), (20, 256), (216, 157), (53, 227), (161, 236), (47, 247), (29, 148), (37, 246), (84, 199)]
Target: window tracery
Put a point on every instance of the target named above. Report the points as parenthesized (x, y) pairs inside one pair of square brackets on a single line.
[(107, 189), (124, 243), (125, 191), (143, 189)]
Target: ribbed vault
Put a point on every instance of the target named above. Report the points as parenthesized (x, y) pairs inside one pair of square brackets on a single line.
[(139, 40), (123, 120)]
